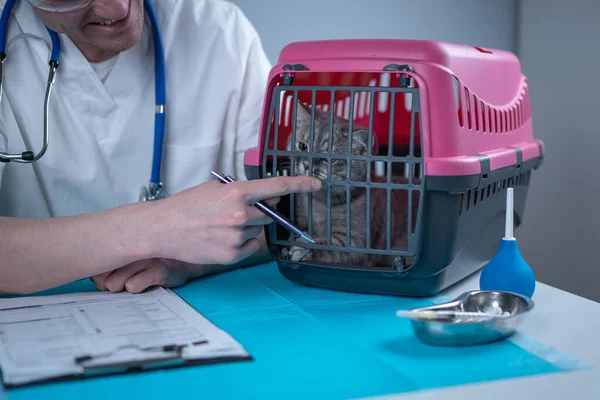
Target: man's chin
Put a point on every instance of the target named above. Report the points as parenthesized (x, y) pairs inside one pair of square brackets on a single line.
[(115, 46), (113, 41)]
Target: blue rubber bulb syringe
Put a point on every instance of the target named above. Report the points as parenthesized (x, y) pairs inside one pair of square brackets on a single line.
[(508, 271)]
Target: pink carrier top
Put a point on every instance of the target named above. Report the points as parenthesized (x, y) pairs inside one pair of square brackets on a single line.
[(473, 101)]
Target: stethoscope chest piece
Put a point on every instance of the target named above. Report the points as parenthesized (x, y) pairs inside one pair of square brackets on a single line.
[(152, 192)]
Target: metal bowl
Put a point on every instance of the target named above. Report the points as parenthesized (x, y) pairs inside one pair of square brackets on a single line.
[(468, 332)]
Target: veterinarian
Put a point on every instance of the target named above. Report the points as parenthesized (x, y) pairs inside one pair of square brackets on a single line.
[(112, 115)]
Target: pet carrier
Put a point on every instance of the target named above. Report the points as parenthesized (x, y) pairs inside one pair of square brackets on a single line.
[(415, 143)]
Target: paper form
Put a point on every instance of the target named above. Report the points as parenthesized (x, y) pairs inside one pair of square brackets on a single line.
[(41, 337)]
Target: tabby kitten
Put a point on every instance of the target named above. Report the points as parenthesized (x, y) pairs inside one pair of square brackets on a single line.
[(339, 196)]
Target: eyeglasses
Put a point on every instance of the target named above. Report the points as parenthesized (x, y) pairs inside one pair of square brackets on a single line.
[(59, 5)]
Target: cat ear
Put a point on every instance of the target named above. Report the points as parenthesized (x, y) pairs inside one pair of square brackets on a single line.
[(302, 113), (360, 142)]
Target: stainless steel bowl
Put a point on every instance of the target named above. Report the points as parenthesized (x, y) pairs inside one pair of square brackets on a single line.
[(467, 332)]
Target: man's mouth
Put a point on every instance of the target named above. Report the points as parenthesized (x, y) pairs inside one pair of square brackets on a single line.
[(107, 22)]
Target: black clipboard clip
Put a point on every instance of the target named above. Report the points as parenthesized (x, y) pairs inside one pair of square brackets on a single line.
[(149, 358)]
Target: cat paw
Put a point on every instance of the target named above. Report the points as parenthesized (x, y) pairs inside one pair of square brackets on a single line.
[(297, 253)]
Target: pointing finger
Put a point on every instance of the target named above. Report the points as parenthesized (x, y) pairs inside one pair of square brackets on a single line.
[(260, 189)]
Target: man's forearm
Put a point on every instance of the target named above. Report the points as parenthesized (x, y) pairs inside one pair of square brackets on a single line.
[(37, 254)]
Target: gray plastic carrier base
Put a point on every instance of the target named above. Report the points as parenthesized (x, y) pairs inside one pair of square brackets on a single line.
[(454, 244)]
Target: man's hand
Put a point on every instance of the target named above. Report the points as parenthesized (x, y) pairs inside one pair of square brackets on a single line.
[(210, 228), (141, 275), (215, 223)]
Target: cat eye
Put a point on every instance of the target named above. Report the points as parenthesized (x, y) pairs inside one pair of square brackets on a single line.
[(303, 147)]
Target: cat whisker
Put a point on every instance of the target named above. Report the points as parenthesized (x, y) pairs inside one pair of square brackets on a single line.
[(339, 194)]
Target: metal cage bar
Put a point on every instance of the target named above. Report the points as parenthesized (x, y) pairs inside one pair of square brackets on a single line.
[(388, 211), (348, 167), (368, 165), (329, 173), (311, 146), (293, 161)]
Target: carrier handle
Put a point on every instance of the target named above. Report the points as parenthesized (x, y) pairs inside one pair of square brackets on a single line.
[(403, 79), (288, 78)]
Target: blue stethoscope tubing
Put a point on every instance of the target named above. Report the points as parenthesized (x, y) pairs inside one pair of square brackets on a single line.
[(160, 83), (160, 79)]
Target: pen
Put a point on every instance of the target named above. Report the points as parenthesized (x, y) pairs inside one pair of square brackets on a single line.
[(270, 212)]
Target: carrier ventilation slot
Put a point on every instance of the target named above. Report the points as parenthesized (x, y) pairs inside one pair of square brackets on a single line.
[(474, 114), (472, 198)]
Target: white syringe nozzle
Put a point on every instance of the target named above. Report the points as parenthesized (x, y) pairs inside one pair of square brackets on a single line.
[(509, 226)]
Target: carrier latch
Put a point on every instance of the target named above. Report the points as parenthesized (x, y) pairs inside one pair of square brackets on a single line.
[(402, 266), (288, 78), (404, 79)]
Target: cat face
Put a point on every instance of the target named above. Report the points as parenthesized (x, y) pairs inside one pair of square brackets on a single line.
[(320, 144)]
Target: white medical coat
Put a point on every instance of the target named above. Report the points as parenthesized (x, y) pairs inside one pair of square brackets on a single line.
[(102, 135)]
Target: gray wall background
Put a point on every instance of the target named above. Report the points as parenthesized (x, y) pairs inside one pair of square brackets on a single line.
[(488, 23), (557, 42)]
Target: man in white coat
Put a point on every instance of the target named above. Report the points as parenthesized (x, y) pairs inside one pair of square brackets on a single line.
[(75, 212)]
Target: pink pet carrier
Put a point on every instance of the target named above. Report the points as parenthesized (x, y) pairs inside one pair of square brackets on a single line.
[(451, 121)]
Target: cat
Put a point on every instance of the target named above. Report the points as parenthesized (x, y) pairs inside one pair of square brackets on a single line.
[(339, 200)]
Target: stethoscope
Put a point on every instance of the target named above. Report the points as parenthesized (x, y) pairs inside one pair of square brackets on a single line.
[(155, 189)]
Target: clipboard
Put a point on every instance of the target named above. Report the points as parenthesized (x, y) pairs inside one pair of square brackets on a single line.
[(167, 357), (202, 344)]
